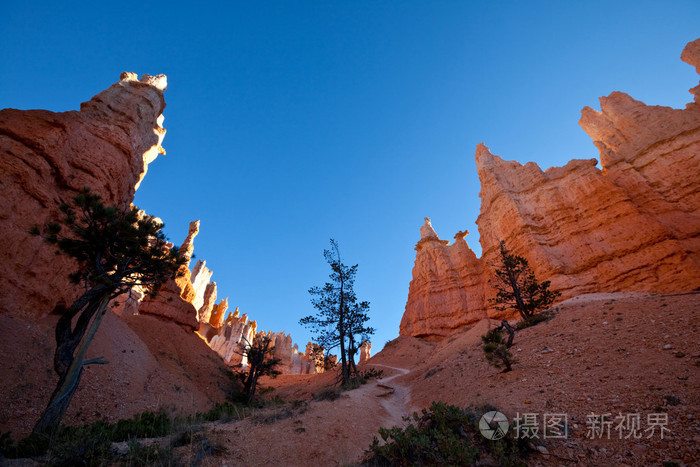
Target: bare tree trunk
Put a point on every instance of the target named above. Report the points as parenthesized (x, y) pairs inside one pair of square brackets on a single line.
[(511, 332), (253, 383), (352, 350), (68, 383), (517, 293), (341, 333), (506, 362)]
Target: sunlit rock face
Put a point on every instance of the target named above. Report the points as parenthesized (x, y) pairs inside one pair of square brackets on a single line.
[(446, 292), (230, 339), (218, 313), (292, 362), (208, 303), (632, 226), (201, 275), (48, 157), (365, 351)]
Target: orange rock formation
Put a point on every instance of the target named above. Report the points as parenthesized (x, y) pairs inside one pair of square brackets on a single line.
[(47, 157), (632, 226), (365, 351)]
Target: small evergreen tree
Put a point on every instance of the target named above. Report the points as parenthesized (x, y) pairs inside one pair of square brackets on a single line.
[(116, 250), (518, 288), (496, 350), (340, 320), (260, 363)]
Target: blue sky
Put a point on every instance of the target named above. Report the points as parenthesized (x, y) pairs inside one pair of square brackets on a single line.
[(289, 123)]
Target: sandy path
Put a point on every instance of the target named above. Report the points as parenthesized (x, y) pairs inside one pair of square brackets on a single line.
[(324, 433), (396, 403)]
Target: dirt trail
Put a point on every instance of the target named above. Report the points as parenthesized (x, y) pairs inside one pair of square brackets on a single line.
[(323, 432), (396, 401)]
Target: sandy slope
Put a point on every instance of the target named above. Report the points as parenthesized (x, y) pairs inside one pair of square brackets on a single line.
[(154, 364), (601, 354)]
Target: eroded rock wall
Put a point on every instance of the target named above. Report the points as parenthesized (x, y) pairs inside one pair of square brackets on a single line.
[(175, 296), (292, 361), (231, 338), (48, 157), (446, 291), (632, 226)]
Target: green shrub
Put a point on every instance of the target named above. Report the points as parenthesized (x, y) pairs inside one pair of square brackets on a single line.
[(31, 446), (442, 435), (92, 444), (143, 425), (370, 373), (327, 395), (534, 319), (148, 455), (496, 350), (227, 411), (353, 383)]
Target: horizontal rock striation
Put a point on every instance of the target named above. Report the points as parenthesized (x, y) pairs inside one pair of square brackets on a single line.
[(632, 226)]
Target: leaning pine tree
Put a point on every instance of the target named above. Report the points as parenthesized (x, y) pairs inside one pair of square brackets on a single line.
[(116, 250), (518, 288)]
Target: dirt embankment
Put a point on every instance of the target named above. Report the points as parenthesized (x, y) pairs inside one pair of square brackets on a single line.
[(153, 364)]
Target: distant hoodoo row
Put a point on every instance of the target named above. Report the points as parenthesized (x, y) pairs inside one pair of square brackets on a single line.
[(190, 300), (632, 226)]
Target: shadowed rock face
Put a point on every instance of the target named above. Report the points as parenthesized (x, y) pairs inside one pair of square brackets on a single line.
[(47, 157), (176, 296), (632, 226)]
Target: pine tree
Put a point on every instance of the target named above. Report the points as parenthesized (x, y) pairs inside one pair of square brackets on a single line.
[(496, 350), (518, 288), (116, 250), (340, 321), (260, 363)]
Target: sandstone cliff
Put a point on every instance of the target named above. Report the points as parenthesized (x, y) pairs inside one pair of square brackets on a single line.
[(47, 157), (189, 300), (632, 226), (365, 351), (230, 339), (446, 292)]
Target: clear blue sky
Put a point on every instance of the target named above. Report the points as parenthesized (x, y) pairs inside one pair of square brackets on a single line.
[(289, 123)]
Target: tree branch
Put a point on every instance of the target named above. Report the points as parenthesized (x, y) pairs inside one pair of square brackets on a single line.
[(96, 361)]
